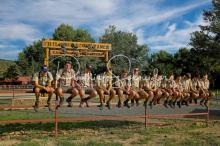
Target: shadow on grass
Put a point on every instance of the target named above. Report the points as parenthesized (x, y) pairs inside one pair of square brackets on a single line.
[(214, 114), (7, 128)]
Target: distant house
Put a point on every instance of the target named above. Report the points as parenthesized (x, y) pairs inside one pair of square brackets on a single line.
[(20, 80)]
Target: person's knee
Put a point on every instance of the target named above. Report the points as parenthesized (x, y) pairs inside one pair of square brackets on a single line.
[(51, 91), (93, 93), (37, 90), (75, 92), (112, 92)]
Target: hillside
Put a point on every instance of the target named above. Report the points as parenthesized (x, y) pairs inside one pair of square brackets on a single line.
[(4, 64)]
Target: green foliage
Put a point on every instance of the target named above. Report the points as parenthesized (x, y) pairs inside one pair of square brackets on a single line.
[(64, 33), (4, 65), (125, 43), (12, 72), (31, 58), (163, 61), (206, 44)]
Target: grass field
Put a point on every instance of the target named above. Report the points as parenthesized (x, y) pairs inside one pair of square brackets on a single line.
[(110, 133)]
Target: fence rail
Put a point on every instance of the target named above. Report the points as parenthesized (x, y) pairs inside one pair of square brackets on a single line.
[(16, 86)]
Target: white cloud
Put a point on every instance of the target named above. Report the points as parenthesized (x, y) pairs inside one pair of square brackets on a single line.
[(175, 38), (54, 11), (18, 31), (8, 51), (143, 14)]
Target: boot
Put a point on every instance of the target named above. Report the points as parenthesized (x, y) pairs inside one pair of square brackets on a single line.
[(202, 102), (137, 102), (69, 101), (195, 100), (132, 102), (36, 106), (158, 101), (87, 104), (165, 104), (119, 104), (178, 103), (151, 105), (173, 104), (170, 103), (100, 106), (190, 101), (61, 101), (126, 103), (145, 103), (108, 105), (206, 103)]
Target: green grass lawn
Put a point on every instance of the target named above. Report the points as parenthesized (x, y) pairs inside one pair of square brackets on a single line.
[(110, 133)]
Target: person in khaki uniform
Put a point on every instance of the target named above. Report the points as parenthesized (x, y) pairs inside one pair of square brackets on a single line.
[(194, 89), (87, 84), (123, 87), (156, 83), (204, 90), (66, 83), (187, 84), (178, 91), (135, 86), (148, 91), (104, 87), (170, 89), (165, 94), (42, 84)]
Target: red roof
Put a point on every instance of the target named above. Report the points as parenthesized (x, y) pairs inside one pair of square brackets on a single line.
[(18, 79), (24, 79)]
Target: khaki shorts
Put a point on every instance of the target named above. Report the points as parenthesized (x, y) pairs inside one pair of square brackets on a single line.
[(136, 89), (67, 89), (87, 90), (41, 90)]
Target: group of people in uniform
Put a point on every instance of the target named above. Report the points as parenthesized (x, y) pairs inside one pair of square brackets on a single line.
[(173, 90)]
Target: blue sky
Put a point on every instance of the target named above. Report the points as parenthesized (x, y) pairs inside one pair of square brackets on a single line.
[(161, 24)]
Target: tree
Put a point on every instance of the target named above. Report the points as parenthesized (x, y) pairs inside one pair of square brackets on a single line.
[(64, 32), (207, 40), (125, 43), (163, 61), (31, 58), (206, 43), (12, 72)]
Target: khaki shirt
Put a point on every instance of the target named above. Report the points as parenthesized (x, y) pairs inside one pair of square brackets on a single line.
[(86, 79), (124, 82), (65, 78), (155, 82), (178, 85), (104, 81), (204, 84), (187, 84), (170, 84), (146, 84), (42, 80), (195, 84), (135, 81)]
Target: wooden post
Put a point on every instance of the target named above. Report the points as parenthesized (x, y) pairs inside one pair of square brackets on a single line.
[(46, 58), (145, 116), (207, 120), (56, 118)]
